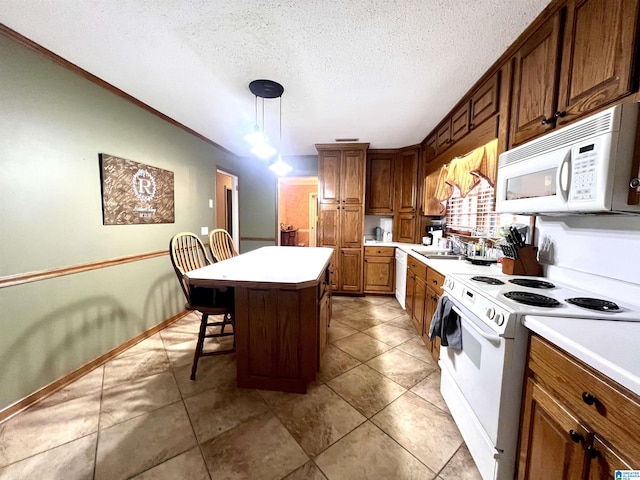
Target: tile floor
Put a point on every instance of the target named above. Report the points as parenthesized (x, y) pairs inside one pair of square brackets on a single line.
[(374, 412)]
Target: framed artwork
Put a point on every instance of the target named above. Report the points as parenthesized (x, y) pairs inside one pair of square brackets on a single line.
[(134, 193)]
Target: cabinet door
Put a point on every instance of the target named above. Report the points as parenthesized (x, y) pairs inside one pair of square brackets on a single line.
[(351, 270), (597, 55), (430, 304), (329, 226), (419, 298), (410, 288), (380, 191), (604, 461), (484, 102), (431, 205), (535, 83), (352, 176), (552, 440), (406, 180), (430, 147), (334, 270), (443, 137), (324, 314), (460, 123), (329, 175), (379, 274), (405, 227), (351, 226)]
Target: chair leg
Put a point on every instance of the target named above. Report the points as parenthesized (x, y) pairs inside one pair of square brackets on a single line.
[(199, 345)]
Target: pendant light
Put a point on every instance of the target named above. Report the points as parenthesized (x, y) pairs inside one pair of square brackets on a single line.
[(258, 139)]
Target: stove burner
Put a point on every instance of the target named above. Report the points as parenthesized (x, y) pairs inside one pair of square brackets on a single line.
[(594, 304), (531, 283), (532, 299), (488, 280)]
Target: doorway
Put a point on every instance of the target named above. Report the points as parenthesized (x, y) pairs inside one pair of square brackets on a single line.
[(227, 204), (297, 210)]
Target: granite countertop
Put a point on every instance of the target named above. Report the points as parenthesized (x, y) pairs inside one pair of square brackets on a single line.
[(611, 347)]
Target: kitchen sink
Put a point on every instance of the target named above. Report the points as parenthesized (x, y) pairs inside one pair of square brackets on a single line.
[(440, 255)]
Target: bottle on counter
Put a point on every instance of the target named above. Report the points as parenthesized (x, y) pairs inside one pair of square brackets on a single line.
[(428, 239)]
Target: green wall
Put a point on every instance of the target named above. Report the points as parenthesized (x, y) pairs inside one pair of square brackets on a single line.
[(53, 124)]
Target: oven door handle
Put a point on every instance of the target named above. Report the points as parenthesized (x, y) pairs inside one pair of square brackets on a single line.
[(478, 330)]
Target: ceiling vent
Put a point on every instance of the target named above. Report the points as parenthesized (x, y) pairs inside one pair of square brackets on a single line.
[(347, 139)]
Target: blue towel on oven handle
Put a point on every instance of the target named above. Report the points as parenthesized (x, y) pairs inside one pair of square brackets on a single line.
[(445, 324)]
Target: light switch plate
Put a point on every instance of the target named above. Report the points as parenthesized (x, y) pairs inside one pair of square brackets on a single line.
[(211, 203), (204, 231)]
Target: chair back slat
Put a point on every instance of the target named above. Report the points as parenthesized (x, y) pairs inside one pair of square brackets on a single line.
[(187, 253), (221, 244)]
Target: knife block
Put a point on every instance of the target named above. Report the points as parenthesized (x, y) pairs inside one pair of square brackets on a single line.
[(525, 264)]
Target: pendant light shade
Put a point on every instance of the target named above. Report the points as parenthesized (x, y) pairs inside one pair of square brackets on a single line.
[(257, 138)]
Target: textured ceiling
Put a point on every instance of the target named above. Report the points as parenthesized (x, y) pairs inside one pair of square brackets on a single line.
[(383, 71)]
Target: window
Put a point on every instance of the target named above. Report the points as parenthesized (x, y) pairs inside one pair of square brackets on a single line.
[(475, 212)]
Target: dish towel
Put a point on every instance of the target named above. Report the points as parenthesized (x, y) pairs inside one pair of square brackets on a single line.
[(446, 325)]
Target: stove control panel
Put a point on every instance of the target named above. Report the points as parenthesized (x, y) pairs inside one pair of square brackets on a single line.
[(483, 307)]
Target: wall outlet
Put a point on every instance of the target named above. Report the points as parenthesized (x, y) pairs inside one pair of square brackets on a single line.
[(211, 203), (204, 231)]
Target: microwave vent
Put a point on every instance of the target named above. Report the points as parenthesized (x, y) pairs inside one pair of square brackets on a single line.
[(567, 136)]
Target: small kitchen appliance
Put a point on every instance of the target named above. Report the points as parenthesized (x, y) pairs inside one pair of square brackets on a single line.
[(378, 234)]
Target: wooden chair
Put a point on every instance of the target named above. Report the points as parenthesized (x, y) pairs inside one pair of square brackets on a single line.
[(188, 253), (221, 244)]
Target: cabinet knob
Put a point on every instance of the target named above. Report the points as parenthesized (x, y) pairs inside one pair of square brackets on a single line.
[(588, 398), (559, 114), (471, 127), (575, 436), (635, 183), (593, 452), (545, 121)]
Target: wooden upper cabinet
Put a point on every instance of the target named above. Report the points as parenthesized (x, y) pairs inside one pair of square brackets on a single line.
[(535, 93), (329, 175), (430, 148), (484, 102), (406, 176), (597, 55), (443, 137), (460, 123), (353, 167), (431, 205), (379, 190)]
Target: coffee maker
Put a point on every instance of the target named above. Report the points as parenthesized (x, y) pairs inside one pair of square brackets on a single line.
[(378, 234)]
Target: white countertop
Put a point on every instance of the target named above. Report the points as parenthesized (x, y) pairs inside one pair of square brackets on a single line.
[(610, 347), (271, 265), (445, 267)]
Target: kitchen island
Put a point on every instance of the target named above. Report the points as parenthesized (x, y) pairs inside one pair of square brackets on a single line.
[(282, 312)]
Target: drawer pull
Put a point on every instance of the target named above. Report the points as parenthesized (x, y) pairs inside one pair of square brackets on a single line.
[(588, 398), (435, 282), (575, 436), (593, 452)]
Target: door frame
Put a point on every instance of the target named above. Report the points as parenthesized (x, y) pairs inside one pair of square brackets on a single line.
[(235, 210)]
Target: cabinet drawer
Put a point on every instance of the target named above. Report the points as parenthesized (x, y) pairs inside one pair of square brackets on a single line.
[(435, 280), (417, 267), (614, 412), (379, 251)]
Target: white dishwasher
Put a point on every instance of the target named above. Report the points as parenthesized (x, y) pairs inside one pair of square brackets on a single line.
[(401, 275)]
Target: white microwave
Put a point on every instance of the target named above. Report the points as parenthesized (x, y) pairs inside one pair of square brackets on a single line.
[(585, 167)]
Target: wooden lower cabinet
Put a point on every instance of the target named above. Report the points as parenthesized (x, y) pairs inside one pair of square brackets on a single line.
[(434, 290), (379, 270), (416, 292), (576, 423), (350, 270), (324, 319)]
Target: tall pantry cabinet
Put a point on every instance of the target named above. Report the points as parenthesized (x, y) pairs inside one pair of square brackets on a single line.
[(341, 189)]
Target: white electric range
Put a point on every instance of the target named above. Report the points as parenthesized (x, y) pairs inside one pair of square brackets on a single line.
[(482, 383)]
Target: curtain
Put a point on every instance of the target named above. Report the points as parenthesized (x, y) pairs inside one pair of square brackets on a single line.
[(465, 172)]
